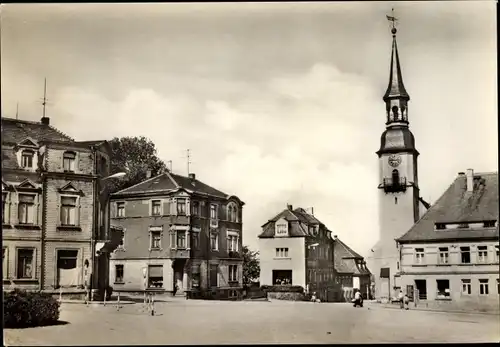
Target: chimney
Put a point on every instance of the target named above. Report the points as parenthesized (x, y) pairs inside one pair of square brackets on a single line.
[(461, 173), (470, 180), (334, 237), (45, 120), (192, 176), (148, 174), (290, 207), (312, 211)]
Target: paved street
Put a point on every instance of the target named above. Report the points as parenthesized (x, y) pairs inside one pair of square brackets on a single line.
[(213, 322)]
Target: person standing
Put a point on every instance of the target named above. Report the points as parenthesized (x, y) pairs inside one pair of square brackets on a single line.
[(401, 299), (407, 302)]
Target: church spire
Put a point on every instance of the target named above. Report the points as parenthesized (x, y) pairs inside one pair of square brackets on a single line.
[(396, 98)]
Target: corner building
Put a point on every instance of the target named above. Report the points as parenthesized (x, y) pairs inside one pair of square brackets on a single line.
[(178, 231)]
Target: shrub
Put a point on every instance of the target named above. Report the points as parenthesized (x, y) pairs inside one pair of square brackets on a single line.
[(24, 309), (283, 289), (290, 296)]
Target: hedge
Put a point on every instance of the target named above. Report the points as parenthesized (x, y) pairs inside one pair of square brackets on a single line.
[(283, 288), (28, 309)]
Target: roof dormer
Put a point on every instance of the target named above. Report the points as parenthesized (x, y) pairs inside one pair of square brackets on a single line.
[(281, 228)]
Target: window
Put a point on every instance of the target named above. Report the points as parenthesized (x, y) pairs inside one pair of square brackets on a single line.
[(119, 274), (26, 209), (181, 207), (155, 239), (214, 241), (482, 254), (419, 255), (213, 211), (466, 287), (232, 243), (443, 255), (4, 210), (233, 273), (489, 224), (68, 210), (443, 287), (25, 263), (155, 275), (195, 208), (195, 240), (67, 270), (181, 239), (497, 253), (232, 213), (483, 287), (27, 159), (281, 229), (120, 209), (281, 252), (5, 262), (155, 207), (465, 255), (121, 245), (69, 161)]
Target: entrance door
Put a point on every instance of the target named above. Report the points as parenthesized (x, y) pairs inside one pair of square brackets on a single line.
[(421, 286)]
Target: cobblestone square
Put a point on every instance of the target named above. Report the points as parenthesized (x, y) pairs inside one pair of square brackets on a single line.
[(214, 322)]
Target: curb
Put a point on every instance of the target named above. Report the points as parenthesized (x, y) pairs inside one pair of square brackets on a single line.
[(437, 310), (96, 303)]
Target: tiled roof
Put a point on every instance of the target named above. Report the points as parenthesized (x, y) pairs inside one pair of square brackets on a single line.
[(345, 259), (9, 160), (169, 181), (299, 223), (456, 206), (15, 130)]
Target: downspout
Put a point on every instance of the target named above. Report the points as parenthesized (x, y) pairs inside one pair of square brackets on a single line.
[(44, 225), (94, 225)]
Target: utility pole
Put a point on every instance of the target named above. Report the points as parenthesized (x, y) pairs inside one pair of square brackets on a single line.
[(188, 160), (17, 111)]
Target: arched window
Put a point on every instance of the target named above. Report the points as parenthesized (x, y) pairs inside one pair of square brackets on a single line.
[(395, 177), (232, 212), (69, 159)]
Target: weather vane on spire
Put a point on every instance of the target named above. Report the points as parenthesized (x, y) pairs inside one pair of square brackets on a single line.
[(393, 20)]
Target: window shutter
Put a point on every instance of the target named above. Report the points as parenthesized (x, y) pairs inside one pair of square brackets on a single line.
[(172, 239), (77, 212), (188, 207)]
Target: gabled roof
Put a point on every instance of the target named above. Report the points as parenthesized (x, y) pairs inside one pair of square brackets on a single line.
[(457, 206), (169, 182), (16, 130), (345, 259)]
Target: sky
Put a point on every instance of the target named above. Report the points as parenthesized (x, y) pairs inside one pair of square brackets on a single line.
[(279, 103)]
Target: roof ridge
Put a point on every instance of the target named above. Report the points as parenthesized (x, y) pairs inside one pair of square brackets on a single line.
[(169, 175), (135, 185)]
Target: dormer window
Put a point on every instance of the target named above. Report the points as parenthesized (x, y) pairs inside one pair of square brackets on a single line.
[(489, 224), (281, 228), (27, 159), (440, 226), (69, 159)]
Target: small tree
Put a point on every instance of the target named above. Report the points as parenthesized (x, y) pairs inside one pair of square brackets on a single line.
[(135, 156), (251, 265)]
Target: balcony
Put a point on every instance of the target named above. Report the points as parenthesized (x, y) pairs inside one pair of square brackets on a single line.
[(392, 185)]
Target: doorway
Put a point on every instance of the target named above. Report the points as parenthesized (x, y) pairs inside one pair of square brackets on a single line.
[(178, 267), (421, 286)]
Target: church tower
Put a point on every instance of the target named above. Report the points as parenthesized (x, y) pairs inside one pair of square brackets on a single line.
[(398, 180)]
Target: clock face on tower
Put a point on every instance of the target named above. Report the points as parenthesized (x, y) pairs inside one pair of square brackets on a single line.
[(394, 160)]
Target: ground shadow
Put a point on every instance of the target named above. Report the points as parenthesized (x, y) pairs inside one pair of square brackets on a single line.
[(20, 326), (132, 299)]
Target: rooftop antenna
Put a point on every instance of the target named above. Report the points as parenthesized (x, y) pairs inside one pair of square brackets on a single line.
[(17, 111), (44, 102), (188, 159)]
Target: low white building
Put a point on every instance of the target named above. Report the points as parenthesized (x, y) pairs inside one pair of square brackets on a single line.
[(297, 249)]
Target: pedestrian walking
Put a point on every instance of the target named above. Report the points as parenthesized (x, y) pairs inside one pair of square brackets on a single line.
[(358, 298), (175, 290), (407, 302)]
